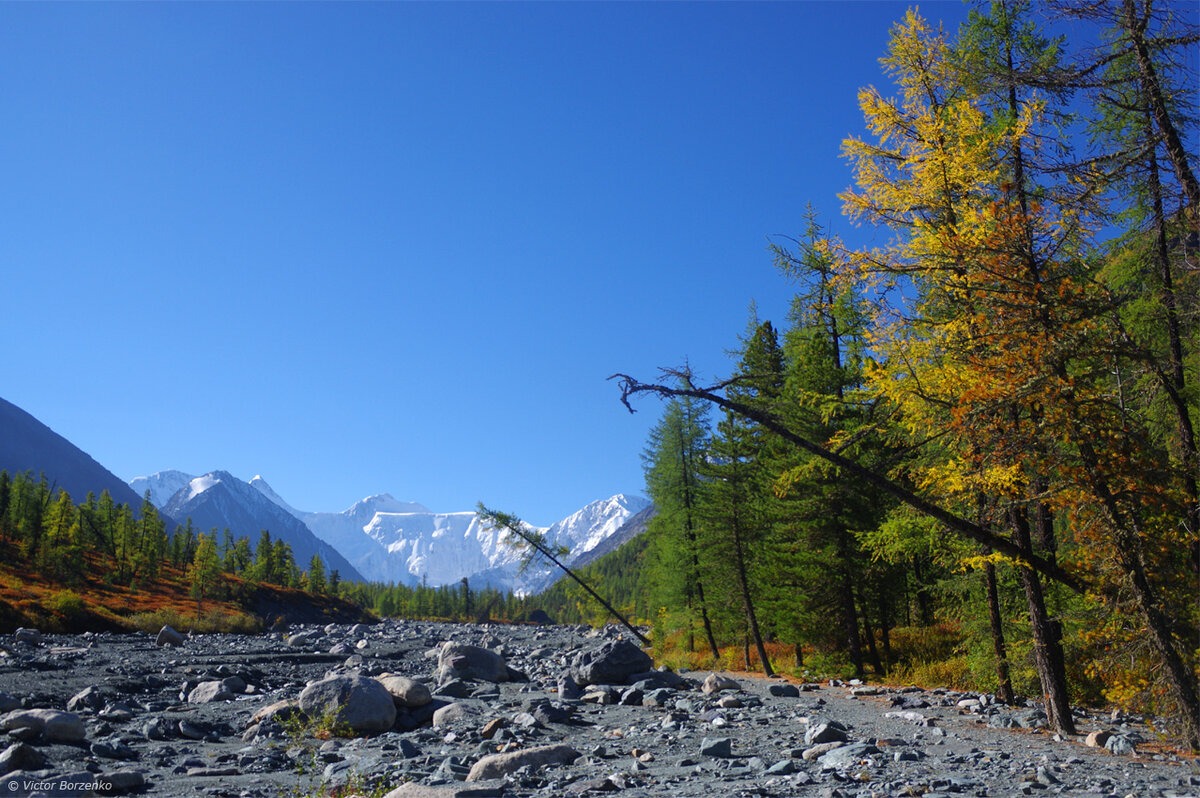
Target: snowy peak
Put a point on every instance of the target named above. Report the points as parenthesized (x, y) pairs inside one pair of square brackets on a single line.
[(383, 503), (260, 484), (587, 528), (220, 500), (162, 486)]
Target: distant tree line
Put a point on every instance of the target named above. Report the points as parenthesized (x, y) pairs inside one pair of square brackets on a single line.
[(61, 540)]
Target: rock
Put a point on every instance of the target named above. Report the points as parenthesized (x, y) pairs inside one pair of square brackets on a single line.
[(301, 639), (207, 692), (453, 713), (51, 724), (568, 688), (784, 690), (1121, 745), (20, 756), (846, 755), (715, 682), (819, 750), (718, 747), (404, 691), (168, 637), (824, 730), (459, 661), (278, 711), (119, 782), (87, 698), (499, 765), (483, 789), (1031, 719), (31, 636), (1098, 738), (866, 690), (612, 662), (539, 617), (360, 703)]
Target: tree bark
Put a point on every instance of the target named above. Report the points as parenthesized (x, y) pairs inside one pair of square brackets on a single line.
[(999, 648), (1047, 652)]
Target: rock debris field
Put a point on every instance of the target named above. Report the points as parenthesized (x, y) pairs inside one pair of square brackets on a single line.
[(442, 710)]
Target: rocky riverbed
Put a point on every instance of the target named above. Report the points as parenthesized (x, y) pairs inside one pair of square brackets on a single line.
[(443, 710)]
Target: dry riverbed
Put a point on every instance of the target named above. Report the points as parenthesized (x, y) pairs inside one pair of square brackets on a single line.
[(514, 711)]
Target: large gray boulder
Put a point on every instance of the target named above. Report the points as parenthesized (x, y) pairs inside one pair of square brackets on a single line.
[(461, 661), (497, 765), (363, 704), (609, 663)]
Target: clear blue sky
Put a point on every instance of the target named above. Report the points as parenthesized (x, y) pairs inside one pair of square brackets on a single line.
[(369, 247)]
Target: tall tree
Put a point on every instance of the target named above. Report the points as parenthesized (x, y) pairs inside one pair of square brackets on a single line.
[(672, 462)]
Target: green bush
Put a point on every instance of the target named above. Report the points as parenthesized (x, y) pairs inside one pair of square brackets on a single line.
[(68, 604)]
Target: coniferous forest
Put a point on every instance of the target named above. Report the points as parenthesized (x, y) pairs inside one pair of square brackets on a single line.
[(976, 440)]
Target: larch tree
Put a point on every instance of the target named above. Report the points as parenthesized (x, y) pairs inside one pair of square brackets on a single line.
[(672, 463)]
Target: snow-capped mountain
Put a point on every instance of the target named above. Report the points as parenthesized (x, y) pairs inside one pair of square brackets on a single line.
[(219, 500), (388, 540), (162, 486), (405, 546)]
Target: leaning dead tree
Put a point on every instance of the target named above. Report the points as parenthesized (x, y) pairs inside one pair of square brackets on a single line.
[(631, 387), (534, 543)]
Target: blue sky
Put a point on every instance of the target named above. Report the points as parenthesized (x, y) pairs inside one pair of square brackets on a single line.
[(398, 247)]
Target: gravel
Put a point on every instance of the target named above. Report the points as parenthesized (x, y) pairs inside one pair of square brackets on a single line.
[(114, 714)]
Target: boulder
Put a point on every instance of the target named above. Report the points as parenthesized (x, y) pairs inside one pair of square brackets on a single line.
[(715, 682), (53, 725), (31, 636), (1098, 738), (453, 713), (168, 637), (461, 661), (405, 692), (363, 704), (20, 756), (498, 765), (612, 662), (207, 692)]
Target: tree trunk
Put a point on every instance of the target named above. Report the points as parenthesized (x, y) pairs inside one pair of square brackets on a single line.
[(748, 605), (1047, 653), (1176, 152), (869, 633), (999, 649), (799, 652), (885, 635)]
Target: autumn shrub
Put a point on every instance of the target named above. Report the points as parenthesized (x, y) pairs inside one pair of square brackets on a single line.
[(68, 604), (209, 622)]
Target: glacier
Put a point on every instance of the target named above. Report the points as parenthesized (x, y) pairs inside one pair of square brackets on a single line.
[(403, 542)]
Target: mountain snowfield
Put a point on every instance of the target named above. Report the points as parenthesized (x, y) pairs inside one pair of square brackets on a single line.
[(387, 540)]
